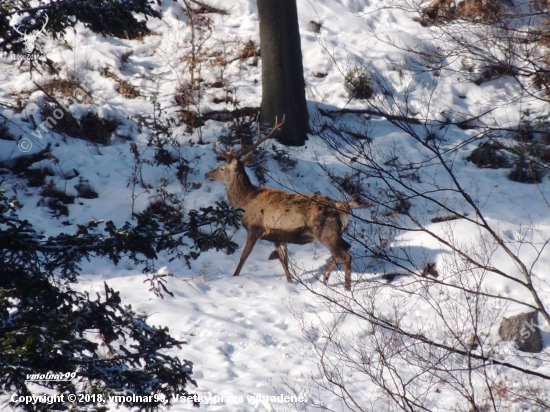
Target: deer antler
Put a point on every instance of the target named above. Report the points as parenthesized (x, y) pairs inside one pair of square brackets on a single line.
[(260, 138), (224, 152), (229, 155), (22, 34), (46, 22)]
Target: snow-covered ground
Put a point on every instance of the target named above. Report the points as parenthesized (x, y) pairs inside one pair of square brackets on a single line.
[(242, 335)]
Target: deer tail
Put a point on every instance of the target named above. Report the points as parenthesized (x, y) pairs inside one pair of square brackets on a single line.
[(346, 206)]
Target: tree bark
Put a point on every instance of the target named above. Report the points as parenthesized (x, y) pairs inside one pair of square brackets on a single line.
[(283, 87)]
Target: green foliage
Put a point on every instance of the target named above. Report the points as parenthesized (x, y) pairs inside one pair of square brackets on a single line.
[(107, 17), (282, 157), (46, 326), (525, 171), (5, 133), (206, 228), (525, 149), (489, 155)]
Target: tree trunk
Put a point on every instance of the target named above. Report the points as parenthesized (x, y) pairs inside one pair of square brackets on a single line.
[(283, 87)]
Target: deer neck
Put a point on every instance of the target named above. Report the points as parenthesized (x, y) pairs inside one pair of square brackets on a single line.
[(240, 190)]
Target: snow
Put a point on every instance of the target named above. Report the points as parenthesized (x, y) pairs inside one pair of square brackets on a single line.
[(241, 333)]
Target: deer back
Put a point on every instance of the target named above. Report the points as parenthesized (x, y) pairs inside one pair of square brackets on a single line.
[(293, 218)]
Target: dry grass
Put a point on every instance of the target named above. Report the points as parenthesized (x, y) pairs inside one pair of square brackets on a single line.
[(66, 88), (443, 11), (249, 50), (124, 88)]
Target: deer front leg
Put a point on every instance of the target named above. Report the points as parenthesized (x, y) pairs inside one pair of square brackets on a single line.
[(251, 239), (282, 253)]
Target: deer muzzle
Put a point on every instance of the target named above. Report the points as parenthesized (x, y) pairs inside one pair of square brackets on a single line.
[(209, 176)]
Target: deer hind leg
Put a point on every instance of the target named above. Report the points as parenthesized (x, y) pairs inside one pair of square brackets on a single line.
[(347, 270), (282, 254), (328, 231), (331, 238), (251, 239), (340, 255)]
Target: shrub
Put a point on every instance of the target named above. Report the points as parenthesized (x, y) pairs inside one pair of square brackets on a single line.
[(46, 326), (358, 82), (489, 155)]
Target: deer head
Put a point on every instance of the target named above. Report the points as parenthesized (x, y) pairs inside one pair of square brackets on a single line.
[(234, 161)]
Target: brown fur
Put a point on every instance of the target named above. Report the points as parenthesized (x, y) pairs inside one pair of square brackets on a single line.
[(282, 218)]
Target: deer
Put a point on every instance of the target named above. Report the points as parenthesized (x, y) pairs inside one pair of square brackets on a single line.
[(282, 217)]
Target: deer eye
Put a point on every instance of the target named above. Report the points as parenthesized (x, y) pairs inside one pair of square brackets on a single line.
[(222, 168)]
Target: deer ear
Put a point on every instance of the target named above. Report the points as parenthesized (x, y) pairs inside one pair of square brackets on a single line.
[(248, 157)]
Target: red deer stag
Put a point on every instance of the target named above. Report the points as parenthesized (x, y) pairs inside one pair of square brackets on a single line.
[(282, 217)]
